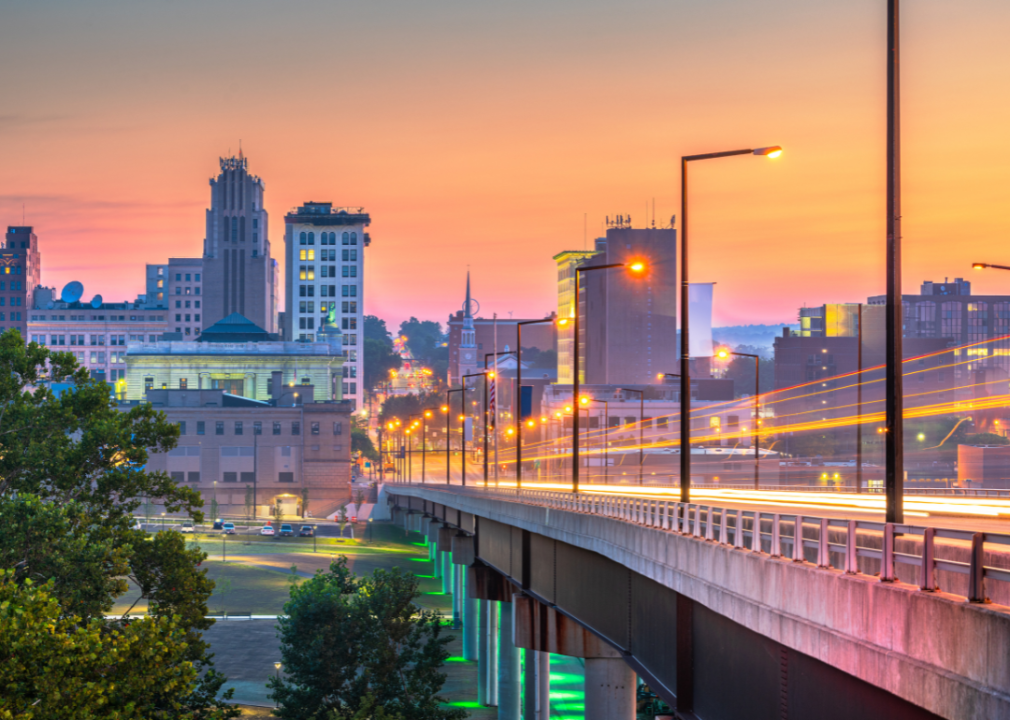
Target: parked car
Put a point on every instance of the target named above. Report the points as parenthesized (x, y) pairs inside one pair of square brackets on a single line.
[(306, 531), (186, 528), (267, 530), (229, 529), (218, 524), (286, 531)]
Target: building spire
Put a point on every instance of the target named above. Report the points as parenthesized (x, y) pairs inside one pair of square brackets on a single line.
[(466, 306)]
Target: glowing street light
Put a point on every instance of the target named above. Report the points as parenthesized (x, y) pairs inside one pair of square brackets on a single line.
[(771, 151)]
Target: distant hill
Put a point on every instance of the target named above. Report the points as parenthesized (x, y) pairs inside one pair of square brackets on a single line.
[(754, 335)]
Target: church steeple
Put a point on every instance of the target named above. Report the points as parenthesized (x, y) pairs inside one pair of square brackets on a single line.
[(469, 336)]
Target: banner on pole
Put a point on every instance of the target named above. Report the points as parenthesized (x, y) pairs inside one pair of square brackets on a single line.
[(491, 399), (699, 310)]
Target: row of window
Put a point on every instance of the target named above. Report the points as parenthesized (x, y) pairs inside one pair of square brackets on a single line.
[(247, 478), (327, 290), (179, 316), (15, 301), (350, 388), (15, 285), (196, 303), (113, 318), (327, 238), (16, 270), (331, 255), (178, 276), (189, 290), (308, 272), (15, 316), (350, 371), (315, 427)]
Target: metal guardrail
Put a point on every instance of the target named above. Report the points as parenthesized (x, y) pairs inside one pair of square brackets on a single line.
[(745, 530)]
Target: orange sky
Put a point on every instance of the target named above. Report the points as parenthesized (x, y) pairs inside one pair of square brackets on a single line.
[(481, 134)]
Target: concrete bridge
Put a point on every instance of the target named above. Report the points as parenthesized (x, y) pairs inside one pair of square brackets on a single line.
[(719, 610)]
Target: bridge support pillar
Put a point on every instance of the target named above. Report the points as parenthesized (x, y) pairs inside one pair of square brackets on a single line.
[(508, 667), (543, 692), (457, 597), (446, 572), (482, 651), (493, 618), (610, 689), (529, 684), (471, 620)]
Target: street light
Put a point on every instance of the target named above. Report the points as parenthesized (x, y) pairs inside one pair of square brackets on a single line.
[(773, 151), (724, 353), (519, 389), (983, 266), (635, 266)]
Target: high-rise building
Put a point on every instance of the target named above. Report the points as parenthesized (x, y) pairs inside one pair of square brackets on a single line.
[(177, 288), (240, 274), (20, 272), (628, 321), (568, 261), (324, 251)]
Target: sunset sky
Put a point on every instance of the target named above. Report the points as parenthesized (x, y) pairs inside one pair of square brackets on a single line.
[(482, 134)]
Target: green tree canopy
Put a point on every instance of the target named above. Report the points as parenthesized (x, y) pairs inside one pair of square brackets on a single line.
[(375, 329), (72, 473), (348, 644), (380, 358)]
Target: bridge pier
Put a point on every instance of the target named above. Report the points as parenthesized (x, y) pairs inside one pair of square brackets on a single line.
[(543, 691), (509, 676), (610, 689), (529, 684), (482, 653)]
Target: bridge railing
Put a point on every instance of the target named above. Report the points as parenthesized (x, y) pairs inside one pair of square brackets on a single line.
[(829, 542)]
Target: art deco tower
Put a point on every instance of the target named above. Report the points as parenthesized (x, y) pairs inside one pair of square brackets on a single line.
[(239, 274)]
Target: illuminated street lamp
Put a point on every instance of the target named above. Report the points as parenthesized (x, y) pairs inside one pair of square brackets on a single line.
[(724, 354), (773, 151), (983, 266)]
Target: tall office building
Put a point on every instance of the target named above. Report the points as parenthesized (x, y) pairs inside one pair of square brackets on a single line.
[(324, 251), (568, 261), (628, 323), (240, 275), (20, 272)]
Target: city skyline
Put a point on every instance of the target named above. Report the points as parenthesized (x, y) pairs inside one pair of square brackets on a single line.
[(462, 143)]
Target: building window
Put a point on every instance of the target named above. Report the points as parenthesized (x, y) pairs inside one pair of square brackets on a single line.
[(219, 427), (296, 428), (257, 428), (148, 383), (286, 477), (346, 239), (178, 477), (182, 427), (277, 428), (230, 477), (314, 427), (201, 427), (354, 238), (183, 383), (338, 428), (238, 427), (301, 238), (194, 477)]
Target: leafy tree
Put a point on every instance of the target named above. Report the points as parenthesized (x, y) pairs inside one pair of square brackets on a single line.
[(986, 439), (380, 358), (71, 476), (375, 329), (361, 441), (403, 406), (741, 371), (59, 665), (423, 336), (350, 646)]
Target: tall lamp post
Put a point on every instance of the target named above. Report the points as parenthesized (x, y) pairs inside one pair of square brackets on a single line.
[(641, 429), (519, 390), (685, 364), (894, 462), (635, 266), (757, 403), (447, 409)]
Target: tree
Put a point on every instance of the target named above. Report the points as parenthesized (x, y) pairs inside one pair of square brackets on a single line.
[(348, 644), (741, 371), (249, 509), (547, 359), (361, 441), (72, 473), (423, 337), (375, 329), (60, 665), (380, 359)]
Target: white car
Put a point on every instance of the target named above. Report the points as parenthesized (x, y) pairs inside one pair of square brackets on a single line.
[(186, 528), (266, 530)]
